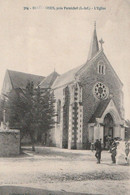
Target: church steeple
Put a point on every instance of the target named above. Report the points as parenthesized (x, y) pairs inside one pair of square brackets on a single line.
[(94, 48)]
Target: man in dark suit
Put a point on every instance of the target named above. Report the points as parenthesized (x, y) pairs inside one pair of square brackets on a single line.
[(113, 151), (98, 149)]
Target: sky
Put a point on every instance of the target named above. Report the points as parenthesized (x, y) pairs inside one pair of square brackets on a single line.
[(38, 36)]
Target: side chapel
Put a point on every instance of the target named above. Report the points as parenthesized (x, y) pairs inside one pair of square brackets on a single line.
[(89, 102)]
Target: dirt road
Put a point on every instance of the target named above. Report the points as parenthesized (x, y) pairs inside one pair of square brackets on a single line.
[(65, 171)]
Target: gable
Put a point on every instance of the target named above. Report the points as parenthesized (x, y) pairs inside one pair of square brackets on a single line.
[(91, 67), (89, 75), (112, 109), (103, 109), (65, 78)]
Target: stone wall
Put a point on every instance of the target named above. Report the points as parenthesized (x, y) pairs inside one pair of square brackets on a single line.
[(9, 143)]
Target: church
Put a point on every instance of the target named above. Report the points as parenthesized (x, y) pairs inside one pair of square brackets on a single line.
[(89, 100)]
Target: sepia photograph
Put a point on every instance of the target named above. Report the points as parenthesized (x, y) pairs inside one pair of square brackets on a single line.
[(65, 97)]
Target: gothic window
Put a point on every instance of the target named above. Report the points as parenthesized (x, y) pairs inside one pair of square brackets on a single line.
[(58, 111), (101, 67)]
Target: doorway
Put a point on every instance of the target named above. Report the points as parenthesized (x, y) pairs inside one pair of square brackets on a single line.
[(108, 128)]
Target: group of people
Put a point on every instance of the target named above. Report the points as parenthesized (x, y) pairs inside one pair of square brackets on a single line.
[(112, 149)]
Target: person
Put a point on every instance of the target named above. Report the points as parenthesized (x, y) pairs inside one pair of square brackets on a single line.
[(92, 146), (126, 149), (110, 141), (105, 141), (120, 153), (113, 151), (98, 149)]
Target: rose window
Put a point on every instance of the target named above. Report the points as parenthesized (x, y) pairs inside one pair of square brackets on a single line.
[(100, 91)]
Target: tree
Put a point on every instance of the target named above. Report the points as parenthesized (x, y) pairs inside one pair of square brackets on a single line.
[(31, 110), (45, 111), (2, 103)]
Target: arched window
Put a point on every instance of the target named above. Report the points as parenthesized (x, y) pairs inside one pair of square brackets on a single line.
[(58, 111), (101, 67)]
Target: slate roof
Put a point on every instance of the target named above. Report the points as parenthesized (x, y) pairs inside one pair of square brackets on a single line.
[(99, 111), (20, 79), (69, 76), (49, 80), (66, 78)]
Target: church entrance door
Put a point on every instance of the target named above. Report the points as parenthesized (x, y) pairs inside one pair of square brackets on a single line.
[(108, 129)]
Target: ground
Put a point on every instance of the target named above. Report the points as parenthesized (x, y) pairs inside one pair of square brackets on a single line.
[(60, 171)]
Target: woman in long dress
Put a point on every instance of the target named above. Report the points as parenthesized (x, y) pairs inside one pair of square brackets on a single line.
[(121, 156)]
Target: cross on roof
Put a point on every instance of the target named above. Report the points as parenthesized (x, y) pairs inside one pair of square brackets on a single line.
[(101, 42)]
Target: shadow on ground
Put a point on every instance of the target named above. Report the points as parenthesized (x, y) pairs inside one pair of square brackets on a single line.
[(53, 152), (17, 190)]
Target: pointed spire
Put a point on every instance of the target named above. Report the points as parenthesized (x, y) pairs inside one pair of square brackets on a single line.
[(94, 48), (94, 25)]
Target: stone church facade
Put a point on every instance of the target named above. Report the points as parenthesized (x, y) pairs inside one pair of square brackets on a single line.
[(89, 100)]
